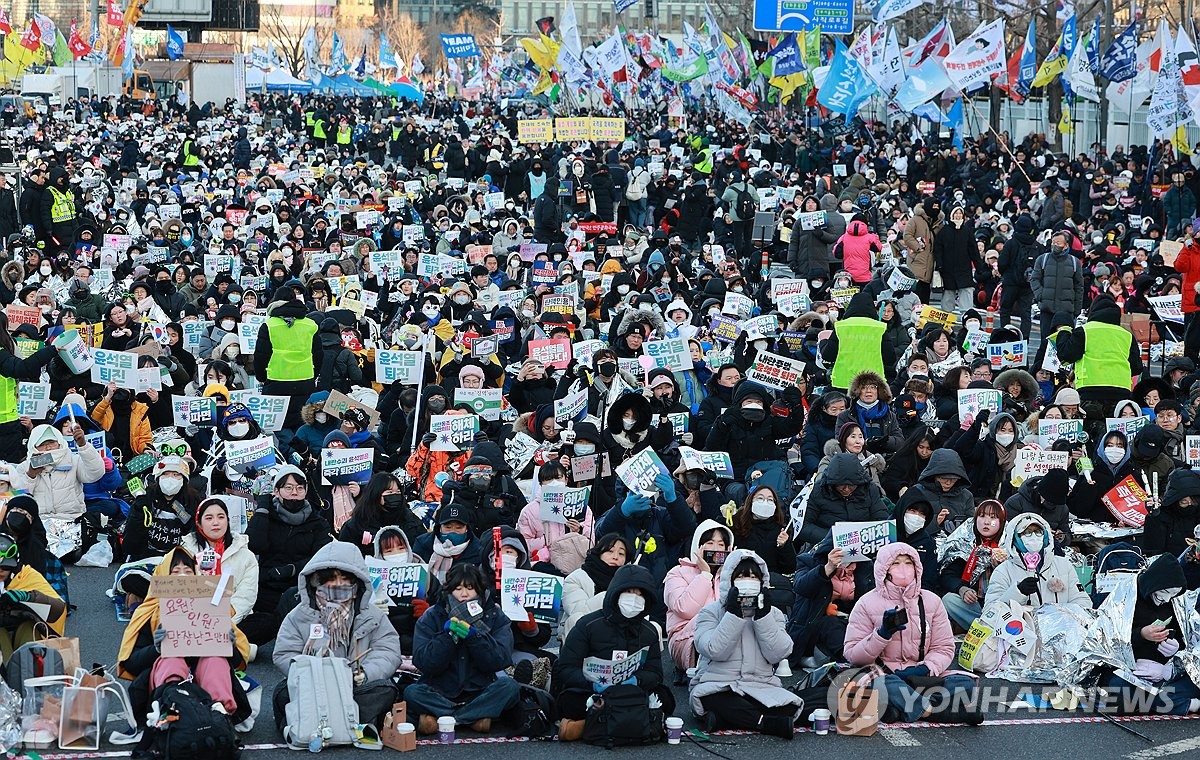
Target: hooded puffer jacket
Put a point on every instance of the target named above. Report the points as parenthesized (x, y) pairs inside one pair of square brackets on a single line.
[(826, 506), (857, 248), (928, 639), (1168, 529), (1164, 572), (58, 490), (749, 442), (687, 588), (1056, 577), (958, 500), (1028, 500), (737, 654)]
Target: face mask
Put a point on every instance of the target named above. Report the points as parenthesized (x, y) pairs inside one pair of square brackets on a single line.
[(761, 345), (622, 289), (393, 501), (763, 509), (902, 575), (628, 424), (714, 312), (436, 404), (239, 429), (400, 557), (457, 539), (607, 369), (748, 586), (972, 324), (527, 313), (833, 313), (1005, 439), (170, 486), (235, 298), (18, 524), (1034, 542), (585, 449), (1114, 454), (508, 561), (479, 482), (630, 604), (737, 289), (338, 593), (913, 523), (321, 417), (462, 300), (430, 312), (1164, 595), (292, 505), (45, 271), (228, 325), (753, 413)]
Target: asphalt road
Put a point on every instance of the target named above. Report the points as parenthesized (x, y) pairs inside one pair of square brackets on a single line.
[(1007, 732)]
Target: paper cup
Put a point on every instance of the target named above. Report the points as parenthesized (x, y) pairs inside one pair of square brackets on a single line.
[(405, 728), (74, 352), (820, 721), (674, 730), (446, 730)]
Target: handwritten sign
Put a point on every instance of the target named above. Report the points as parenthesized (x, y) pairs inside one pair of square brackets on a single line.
[(863, 540), (526, 592), (194, 625), (560, 503), (1034, 463)]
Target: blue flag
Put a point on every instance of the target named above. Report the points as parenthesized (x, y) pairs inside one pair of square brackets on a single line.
[(847, 86), (174, 44), (459, 45), (788, 59), (337, 57), (1028, 64), (954, 120), (924, 83), (387, 57), (1119, 62)]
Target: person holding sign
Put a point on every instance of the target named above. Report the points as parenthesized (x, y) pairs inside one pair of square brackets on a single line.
[(220, 551), (1113, 462), (1172, 528), (989, 457), (511, 553), (54, 475), (160, 517), (140, 660), (904, 630), (749, 428), (654, 527), (13, 370), (1046, 497), (844, 493), (563, 541), (966, 568)]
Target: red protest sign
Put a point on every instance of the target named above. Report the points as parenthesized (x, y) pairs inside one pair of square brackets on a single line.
[(1127, 502)]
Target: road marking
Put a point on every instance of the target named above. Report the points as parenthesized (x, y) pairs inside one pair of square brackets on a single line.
[(1172, 748), (898, 737)]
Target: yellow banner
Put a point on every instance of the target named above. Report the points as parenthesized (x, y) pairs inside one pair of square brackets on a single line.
[(566, 130), (608, 130), (535, 130)]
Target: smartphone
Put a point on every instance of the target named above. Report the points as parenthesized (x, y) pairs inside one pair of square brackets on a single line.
[(895, 619), (714, 557), (38, 461)]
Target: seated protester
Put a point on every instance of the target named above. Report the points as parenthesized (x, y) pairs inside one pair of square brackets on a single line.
[(558, 547), (945, 487), (761, 526), (921, 648), (621, 628), (57, 483), (1168, 415), (704, 493), (588, 470), (139, 658), (451, 542), (719, 395), (532, 387), (584, 589), (392, 545), (690, 585), (965, 572), (916, 525), (380, 503), (1150, 461), (869, 407), (1018, 392), (486, 491), (988, 458), (1169, 528), (827, 588), (335, 602), (631, 429), (905, 466), (844, 493), (655, 533), (664, 401), (317, 424), (1045, 497), (160, 517), (220, 551), (850, 440), (97, 495), (1031, 573), (22, 523), (126, 420), (751, 427), (424, 465), (741, 639), (1111, 463), (283, 534), (22, 586), (529, 636), (459, 646), (356, 424), (821, 428)]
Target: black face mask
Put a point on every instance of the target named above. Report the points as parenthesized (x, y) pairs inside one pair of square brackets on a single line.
[(18, 524), (607, 369), (165, 286), (437, 404), (293, 505), (393, 501), (752, 414)]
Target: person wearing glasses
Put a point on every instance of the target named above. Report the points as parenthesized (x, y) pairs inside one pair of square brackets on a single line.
[(24, 587)]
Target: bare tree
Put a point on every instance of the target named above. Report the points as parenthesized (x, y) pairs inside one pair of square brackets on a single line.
[(287, 34), (406, 36)]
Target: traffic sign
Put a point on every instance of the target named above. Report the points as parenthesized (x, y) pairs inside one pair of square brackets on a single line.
[(833, 16)]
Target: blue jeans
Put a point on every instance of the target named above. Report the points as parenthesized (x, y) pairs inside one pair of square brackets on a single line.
[(1172, 699), (639, 213), (960, 612), (905, 705), (499, 696)]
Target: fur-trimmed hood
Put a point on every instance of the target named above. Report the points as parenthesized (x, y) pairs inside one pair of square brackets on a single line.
[(862, 378)]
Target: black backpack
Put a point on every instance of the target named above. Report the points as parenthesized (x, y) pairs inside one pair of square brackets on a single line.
[(621, 716), (744, 204), (190, 729)]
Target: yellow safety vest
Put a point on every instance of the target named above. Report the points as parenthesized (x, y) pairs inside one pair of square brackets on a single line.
[(343, 136), (1105, 361), (189, 158), (291, 349), (319, 129), (62, 208)]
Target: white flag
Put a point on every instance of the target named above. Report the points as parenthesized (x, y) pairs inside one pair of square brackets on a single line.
[(1079, 74), (888, 71), (890, 9), (417, 67), (1168, 106), (568, 30), (979, 56)]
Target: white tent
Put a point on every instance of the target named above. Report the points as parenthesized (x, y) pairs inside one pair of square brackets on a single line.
[(275, 80)]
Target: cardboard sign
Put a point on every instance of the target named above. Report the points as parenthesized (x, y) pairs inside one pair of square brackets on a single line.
[(340, 467), (775, 371), (639, 471), (33, 400), (393, 582), (339, 402), (1127, 502), (862, 540), (1050, 431), (1034, 463), (255, 454), (670, 353), (717, 462), (452, 430), (1127, 425), (118, 367), (405, 367), (972, 401), (560, 504), (195, 613), (485, 402), (525, 593), (552, 353), (1003, 355)]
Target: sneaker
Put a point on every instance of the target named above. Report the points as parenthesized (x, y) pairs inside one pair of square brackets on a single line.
[(366, 736), (128, 736)]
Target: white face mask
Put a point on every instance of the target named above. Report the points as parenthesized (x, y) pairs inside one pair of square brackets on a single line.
[(628, 424), (1114, 454), (630, 604), (748, 586), (622, 289), (239, 429), (321, 417), (508, 561), (833, 313), (462, 300), (400, 558), (527, 313), (913, 522), (972, 324), (1005, 439), (170, 485), (1034, 542), (1164, 595), (228, 325), (430, 312), (763, 509)]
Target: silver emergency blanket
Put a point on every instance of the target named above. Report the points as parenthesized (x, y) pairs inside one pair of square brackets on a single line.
[(958, 545), (1189, 626), (1060, 630), (1107, 642), (62, 536), (10, 719)]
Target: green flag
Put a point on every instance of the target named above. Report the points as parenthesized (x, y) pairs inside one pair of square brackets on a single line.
[(62, 53)]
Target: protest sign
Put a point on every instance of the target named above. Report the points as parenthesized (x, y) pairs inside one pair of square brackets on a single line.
[(268, 411), (842, 296), (974, 400), (1127, 425), (194, 410), (404, 367), (525, 593), (1003, 355), (786, 286), (452, 430), (535, 130), (254, 454), (118, 367), (195, 613), (775, 371), (1127, 502), (1169, 308), (1034, 463), (899, 282), (193, 332), (553, 353), (716, 462), (1192, 443), (248, 333), (340, 467), (571, 406), (485, 402), (679, 422), (19, 314), (639, 471), (670, 353), (605, 672), (863, 540), (929, 314), (339, 402), (765, 326), (724, 329), (737, 304), (393, 582), (584, 350), (811, 220), (559, 303), (1050, 431), (560, 503), (33, 400), (976, 341), (520, 451)]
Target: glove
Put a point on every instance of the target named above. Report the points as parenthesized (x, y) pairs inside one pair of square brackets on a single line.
[(733, 602), (914, 671), (1168, 648), (360, 676), (877, 445), (686, 439), (16, 597), (528, 627), (666, 484), (428, 439), (886, 629), (635, 504), (159, 634), (1153, 671), (419, 607), (983, 416), (762, 610), (281, 572), (1028, 586), (459, 629)]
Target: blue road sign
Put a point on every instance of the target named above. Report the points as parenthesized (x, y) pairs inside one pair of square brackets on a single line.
[(833, 16)]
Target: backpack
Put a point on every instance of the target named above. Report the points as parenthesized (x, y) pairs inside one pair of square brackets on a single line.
[(32, 660), (537, 712), (776, 475), (636, 190), (744, 204), (187, 727), (321, 704), (621, 716)]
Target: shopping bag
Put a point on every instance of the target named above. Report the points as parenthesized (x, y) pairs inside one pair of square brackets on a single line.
[(857, 708), (66, 646)]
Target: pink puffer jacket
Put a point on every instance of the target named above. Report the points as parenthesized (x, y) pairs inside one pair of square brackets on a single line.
[(864, 645)]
